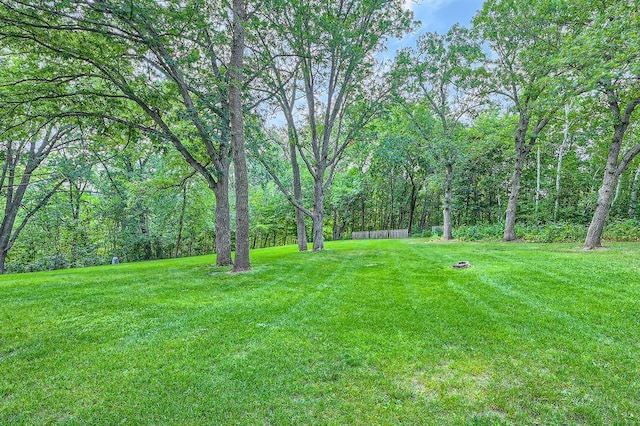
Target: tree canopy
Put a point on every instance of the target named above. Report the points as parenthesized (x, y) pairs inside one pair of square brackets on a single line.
[(139, 129)]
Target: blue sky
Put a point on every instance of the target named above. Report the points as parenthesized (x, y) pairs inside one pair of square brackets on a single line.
[(438, 16)]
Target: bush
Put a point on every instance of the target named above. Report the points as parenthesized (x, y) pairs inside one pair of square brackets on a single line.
[(554, 233), (627, 230), (479, 232), (550, 233), (47, 263)]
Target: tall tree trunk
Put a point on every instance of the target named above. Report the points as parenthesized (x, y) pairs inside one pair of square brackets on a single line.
[(223, 222), (412, 206), (563, 147), (633, 201), (236, 63), (556, 207), (392, 211), (605, 194), (8, 222), (522, 150), (144, 230), (425, 211), (3, 259), (447, 234), (514, 193), (618, 190), (561, 151), (14, 197), (614, 168), (318, 214), (301, 228), (181, 220), (538, 185), (341, 228)]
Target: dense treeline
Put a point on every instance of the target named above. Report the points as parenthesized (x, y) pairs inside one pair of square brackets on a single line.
[(140, 130)]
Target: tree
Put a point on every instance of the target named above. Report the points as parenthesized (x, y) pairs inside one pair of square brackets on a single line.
[(523, 36), (443, 72), (26, 144), (486, 167), (335, 43), (603, 55), (236, 80), (168, 65), (280, 80), (25, 149), (402, 152)]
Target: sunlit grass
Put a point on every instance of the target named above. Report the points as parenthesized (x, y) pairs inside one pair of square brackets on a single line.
[(367, 332)]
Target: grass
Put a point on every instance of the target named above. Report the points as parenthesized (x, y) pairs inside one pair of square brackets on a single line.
[(367, 332)]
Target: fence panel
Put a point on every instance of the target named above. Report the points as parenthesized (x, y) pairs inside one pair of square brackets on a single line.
[(364, 235), (399, 233), (381, 234)]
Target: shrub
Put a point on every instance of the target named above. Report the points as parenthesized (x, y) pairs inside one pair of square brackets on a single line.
[(554, 233), (627, 230), (479, 232), (550, 233)]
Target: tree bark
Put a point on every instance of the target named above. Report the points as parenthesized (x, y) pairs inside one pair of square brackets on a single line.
[(514, 193), (618, 190), (8, 221), (318, 215), (242, 262), (144, 230), (412, 206), (605, 194), (3, 259), (301, 228), (561, 152), (13, 201), (633, 201), (392, 205), (538, 183), (522, 150), (223, 222), (183, 208), (447, 233), (614, 168)]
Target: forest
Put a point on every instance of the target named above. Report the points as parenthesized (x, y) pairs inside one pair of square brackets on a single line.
[(149, 130)]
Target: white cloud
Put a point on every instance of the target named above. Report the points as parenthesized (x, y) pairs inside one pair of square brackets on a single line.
[(434, 4), (424, 4)]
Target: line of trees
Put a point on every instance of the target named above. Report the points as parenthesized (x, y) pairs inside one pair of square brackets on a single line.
[(138, 129)]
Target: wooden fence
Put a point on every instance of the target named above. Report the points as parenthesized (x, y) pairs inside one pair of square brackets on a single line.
[(380, 235)]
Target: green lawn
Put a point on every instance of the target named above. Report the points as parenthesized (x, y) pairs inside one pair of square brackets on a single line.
[(367, 332)]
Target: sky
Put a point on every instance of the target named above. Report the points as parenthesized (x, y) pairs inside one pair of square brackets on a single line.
[(437, 16)]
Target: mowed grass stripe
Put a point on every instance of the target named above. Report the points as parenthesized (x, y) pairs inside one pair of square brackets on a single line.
[(367, 332), (525, 300)]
